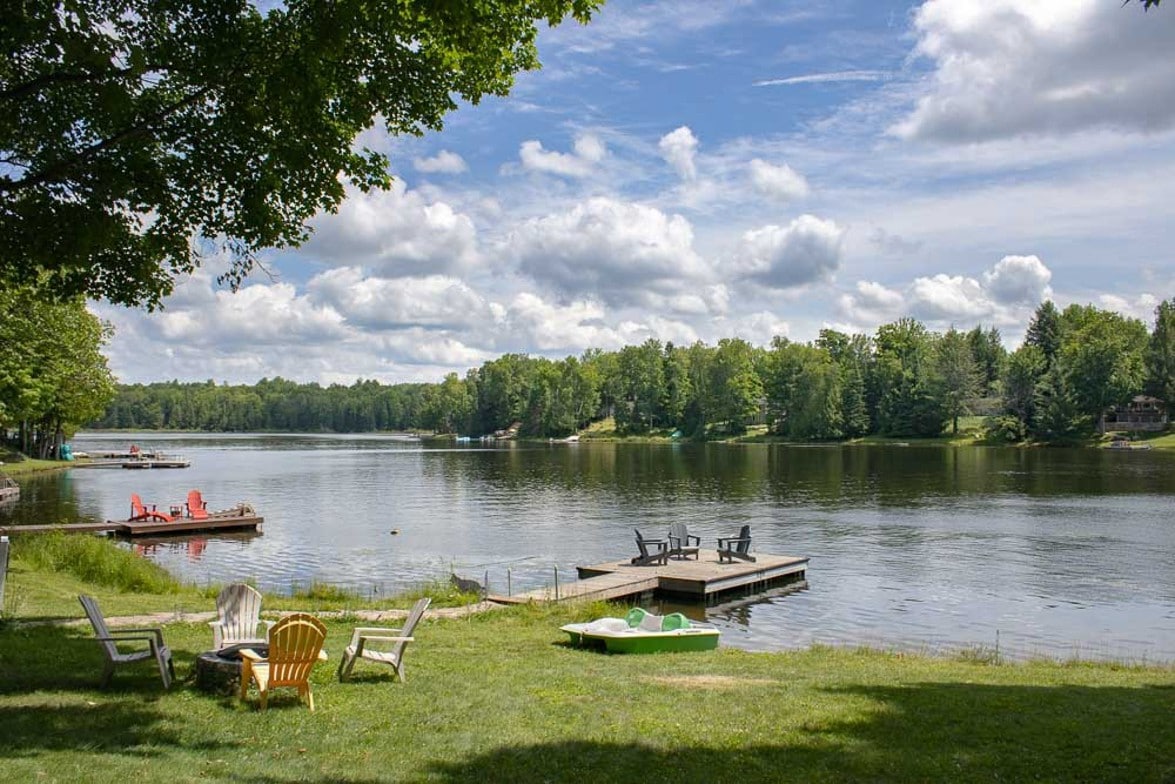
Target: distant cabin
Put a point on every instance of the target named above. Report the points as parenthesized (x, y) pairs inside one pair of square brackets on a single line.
[(1143, 412)]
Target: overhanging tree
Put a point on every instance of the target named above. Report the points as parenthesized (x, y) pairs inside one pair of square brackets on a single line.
[(138, 135)]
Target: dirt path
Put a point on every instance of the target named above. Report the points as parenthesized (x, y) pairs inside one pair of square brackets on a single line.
[(378, 616)]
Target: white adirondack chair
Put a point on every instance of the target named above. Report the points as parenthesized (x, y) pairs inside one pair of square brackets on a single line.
[(362, 640), (239, 609), (109, 639)]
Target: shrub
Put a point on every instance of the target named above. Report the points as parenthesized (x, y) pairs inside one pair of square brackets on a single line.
[(94, 560)]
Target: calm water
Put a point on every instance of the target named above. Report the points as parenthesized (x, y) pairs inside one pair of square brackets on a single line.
[(1043, 552)]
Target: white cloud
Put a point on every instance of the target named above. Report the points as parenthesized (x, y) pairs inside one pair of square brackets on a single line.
[(432, 302), (589, 151), (271, 314), (825, 77), (678, 148), (618, 252), (537, 324), (1018, 280), (805, 251), (756, 328), (1004, 295), (780, 182), (873, 303), (1141, 307), (1012, 67), (444, 162), (395, 232), (948, 297)]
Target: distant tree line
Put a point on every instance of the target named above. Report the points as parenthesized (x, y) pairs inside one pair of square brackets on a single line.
[(53, 376), (904, 380)]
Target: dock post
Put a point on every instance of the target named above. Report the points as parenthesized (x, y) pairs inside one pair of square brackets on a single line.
[(556, 582), (509, 587), (3, 569)]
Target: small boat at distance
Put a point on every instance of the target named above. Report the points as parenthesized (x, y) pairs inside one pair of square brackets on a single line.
[(642, 632)]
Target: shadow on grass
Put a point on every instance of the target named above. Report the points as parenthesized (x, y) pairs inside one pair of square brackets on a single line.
[(99, 727), (67, 658), (924, 732)]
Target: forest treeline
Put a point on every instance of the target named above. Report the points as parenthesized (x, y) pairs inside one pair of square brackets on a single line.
[(904, 380)]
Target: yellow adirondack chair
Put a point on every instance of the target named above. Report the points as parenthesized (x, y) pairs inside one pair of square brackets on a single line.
[(238, 608), (362, 640), (295, 646)]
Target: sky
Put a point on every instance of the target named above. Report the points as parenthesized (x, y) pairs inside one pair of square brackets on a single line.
[(695, 170)]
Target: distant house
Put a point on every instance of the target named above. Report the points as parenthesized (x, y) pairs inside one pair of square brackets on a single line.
[(1143, 412)]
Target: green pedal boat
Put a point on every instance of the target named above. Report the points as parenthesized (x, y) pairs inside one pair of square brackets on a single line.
[(643, 632)]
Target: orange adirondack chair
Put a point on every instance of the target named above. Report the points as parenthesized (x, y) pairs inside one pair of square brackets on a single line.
[(197, 506), (139, 511), (295, 646)]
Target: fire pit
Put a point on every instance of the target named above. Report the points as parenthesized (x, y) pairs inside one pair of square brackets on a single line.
[(219, 672)]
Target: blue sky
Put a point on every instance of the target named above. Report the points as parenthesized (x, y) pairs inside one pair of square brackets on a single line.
[(699, 170)]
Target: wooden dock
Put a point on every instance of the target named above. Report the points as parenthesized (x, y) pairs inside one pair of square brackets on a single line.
[(700, 579), (135, 528)]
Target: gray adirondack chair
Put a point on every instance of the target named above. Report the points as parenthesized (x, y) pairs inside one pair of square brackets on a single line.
[(652, 551), (683, 544), (238, 610), (110, 639), (731, 547), (369, 642)]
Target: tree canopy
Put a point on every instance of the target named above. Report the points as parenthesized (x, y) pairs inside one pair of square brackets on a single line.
[(138, 135)]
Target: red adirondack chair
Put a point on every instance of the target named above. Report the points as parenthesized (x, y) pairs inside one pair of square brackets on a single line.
[(197, 506), (139, 511)]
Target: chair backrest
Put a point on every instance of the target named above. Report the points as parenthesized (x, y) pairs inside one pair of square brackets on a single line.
[(640, 543), (238, 608), (410, 622), (137, 508), (744, 543), (294, 643), (90, 605), (197, 506), (679, 532)]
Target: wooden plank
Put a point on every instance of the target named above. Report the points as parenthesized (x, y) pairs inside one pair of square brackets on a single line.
[(69, 528), (702, 577), (611, 586), (188, 525)]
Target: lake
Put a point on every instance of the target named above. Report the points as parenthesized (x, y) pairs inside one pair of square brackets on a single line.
[(1053, 552)]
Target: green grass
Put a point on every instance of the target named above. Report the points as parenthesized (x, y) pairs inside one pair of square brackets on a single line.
[(501, 697), (17, 465), (48, 571)]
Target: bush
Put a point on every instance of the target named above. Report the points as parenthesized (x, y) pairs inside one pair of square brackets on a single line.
[(94, 560), (1007, 428)]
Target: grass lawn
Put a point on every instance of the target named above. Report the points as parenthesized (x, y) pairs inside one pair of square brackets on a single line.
[(502, 697)]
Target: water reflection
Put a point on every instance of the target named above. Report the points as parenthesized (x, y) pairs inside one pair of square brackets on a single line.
[(1050, 550)]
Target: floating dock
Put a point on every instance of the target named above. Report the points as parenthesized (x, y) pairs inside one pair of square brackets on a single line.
[(136, 528), (701, 579)]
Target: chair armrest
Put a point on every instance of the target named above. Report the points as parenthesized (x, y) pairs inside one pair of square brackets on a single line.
[(250, 654), (364, 632), (732, 540), (322, 655), (154, 631), (697, 540), (380, 638), (127, 638)]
